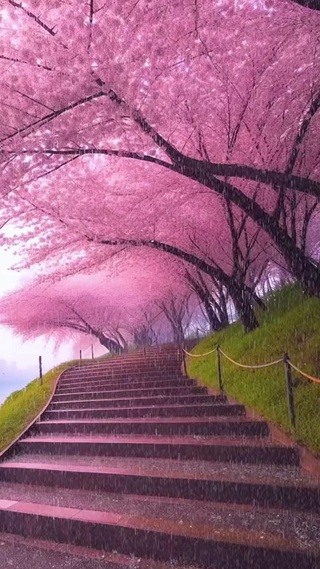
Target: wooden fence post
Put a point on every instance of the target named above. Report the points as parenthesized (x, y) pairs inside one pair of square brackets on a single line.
[(40, 370), (220, 381), (289, 386)]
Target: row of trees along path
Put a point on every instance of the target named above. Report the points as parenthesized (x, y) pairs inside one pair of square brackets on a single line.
[(132, 457), (136, 126)]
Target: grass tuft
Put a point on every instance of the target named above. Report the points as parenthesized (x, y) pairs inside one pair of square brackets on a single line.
[(22, 406), (291, 324)]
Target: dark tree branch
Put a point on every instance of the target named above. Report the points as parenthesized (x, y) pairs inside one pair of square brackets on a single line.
[(302, 132), (86, 151), (172, 250), (307, 218), (14, 60), (33, 16), (35, 100), (51, 116), (312, 4), (314, 107), (200, 169), (52, 170), (91, 23)]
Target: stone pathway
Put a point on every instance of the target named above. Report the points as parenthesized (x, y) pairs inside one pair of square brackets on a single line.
[(133, 460)]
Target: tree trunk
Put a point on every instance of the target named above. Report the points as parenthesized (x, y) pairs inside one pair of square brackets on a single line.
[(244, 309), (109, 344), (307, 274), (301, 267), (259, 302), (178, 334), (214, 322), (207, 174)]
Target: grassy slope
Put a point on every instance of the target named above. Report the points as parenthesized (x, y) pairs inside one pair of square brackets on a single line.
[(291, 324), (21, 407)]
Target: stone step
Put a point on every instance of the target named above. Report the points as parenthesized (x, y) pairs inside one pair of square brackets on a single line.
[(138, 402), (159, 426), (133, 357), (164, 411), (154, 375), (118, 385), (172, 358), (24, 553), (122, 372), (140, 392), (155, 537), (113, 379), (264, 473), (151, 364), (227, 489), (117, 464), (185, 448)]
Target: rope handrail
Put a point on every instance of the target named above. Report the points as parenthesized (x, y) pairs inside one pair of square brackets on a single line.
[(260, 366), (199, 355), (314, 379), (288, 367)]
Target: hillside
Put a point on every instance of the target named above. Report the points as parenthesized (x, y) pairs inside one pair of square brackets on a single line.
[(22, 406), (291, 324)]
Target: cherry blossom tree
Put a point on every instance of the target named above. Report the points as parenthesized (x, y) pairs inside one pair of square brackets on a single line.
[(159, 85), (63, 311), (117, 306), (145, 334), (212, 296), (84, 232), (178, 312)]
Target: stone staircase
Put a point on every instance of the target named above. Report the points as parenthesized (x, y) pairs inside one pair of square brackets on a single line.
[(132, 457)]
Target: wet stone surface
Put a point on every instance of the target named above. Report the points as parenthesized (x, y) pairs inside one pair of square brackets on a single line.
[(205, 469), (230, 522), (303, 529), (20, 553)]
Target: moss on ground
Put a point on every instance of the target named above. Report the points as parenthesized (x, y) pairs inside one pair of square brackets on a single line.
[(291, 324)]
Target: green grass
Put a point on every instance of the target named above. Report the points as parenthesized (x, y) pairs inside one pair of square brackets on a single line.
[(22, 406), (292, 324)]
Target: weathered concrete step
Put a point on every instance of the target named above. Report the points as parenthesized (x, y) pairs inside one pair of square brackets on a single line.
[(138, 402), (144, 392), (132, 360), (162, 539), (159, 426), (18, 552), (154, 367), (152, 364), (128, 376), (170, 357), (229, 489), (124, 378), (125, 385), (122, 373), (263, 473), (163, 411), (183, 448), (171, 360), (272, 473)]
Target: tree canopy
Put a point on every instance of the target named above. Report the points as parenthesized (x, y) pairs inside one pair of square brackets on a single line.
[(184, 128)]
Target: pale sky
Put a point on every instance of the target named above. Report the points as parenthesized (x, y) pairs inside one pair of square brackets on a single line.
[(19, 360)]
